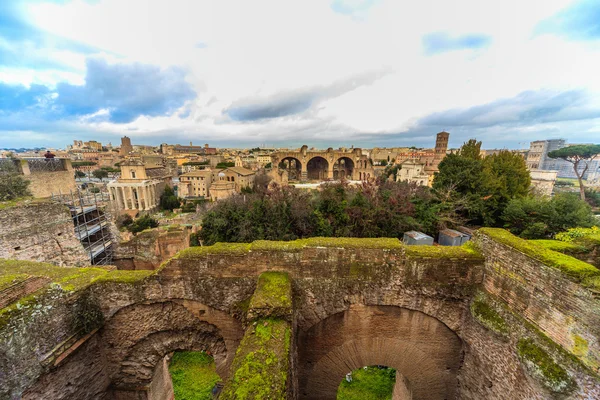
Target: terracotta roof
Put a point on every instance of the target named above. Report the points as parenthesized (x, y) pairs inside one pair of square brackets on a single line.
[(240, 170)]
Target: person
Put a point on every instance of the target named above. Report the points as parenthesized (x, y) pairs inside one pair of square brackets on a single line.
[(48, 154)]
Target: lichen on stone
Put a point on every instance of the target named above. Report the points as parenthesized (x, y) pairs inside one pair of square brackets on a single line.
[(543, 367), (487, 316)]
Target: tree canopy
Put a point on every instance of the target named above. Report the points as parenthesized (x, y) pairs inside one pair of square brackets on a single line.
[(576, 155)]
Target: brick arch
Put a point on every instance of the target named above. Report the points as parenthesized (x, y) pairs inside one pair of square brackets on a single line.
[(425, 351), (139, 335), (137, 369)]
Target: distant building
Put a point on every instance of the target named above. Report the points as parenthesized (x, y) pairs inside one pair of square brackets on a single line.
[(196, 183), (231, 181), (537, 158), (191, 149), (413, 172), (126, 147), (93, 145), (139, 187), (542, 182)]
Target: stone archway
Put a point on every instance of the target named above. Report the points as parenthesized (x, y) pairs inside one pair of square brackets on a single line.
[(292, 166), (317, 168), (138, 337), (422, 349), (343, 168)]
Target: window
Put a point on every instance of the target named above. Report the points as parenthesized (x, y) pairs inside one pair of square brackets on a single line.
[(133, 174)]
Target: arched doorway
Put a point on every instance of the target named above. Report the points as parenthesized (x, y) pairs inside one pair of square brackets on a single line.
[(317, 168), (292, 166), (343, 168), (424, 351)]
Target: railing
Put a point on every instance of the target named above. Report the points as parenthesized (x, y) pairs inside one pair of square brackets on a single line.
[(16, 165), (45, 164)]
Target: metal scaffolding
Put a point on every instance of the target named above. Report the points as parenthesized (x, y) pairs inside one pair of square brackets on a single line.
[(91, 222)]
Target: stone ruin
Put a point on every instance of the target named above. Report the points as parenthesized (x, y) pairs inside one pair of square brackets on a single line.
[(492, 319)]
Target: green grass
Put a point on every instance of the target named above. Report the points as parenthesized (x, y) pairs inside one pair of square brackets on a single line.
[(193, 374), (575, 269), (371, 383)]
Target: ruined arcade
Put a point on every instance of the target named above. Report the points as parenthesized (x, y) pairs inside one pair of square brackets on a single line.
[(487, 320)]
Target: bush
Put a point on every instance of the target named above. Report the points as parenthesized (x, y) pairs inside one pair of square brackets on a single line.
[(539, 217), (142, 223), (123, 220), (12, 184)]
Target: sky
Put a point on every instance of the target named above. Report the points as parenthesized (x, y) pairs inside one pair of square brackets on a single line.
[(368, 73)]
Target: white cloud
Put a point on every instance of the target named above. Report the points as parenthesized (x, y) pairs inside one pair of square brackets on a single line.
[(261, 49)]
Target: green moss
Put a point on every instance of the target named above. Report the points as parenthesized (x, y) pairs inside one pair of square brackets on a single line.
[(217, 248), (368, 383), (270, 245), (128, 277), (467, 250), (193, 375), (561, 247), (274, 290), (260, 367), (20, 202), (352, 243), (543, 367), (571, 267), (11, 279), (488, 316)]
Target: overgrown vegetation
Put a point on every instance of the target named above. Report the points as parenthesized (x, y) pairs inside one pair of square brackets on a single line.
[(142, 223), (168, 200), (374, 209), (12, 184), (193, 374), (542, 217), (368, 383)]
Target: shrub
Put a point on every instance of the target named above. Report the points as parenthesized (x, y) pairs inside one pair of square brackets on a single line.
[(142, 223), (12, 184), (123, 220)]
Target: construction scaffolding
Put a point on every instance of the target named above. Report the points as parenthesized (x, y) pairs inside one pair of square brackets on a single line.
[(91, 221)]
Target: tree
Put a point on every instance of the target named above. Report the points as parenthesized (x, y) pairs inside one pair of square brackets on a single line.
[(79, 174), (461, 175), (168, 200), (576, 155), (100, 174), (12, 184), (505, 177), (542, 217)]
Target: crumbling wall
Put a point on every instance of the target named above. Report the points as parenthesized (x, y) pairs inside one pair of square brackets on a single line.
[(150, 248), (40, 231)]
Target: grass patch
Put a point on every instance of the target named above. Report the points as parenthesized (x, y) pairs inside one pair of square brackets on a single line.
[(488, 316), (261, 363), (467, 250), (368, 383), (543, 367), (217, 248), (576, 269), (193, 374)]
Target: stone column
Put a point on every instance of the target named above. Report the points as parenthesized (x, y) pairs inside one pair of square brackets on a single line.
[(149, 193), (303, 171), (141, 198), (123, 199)]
